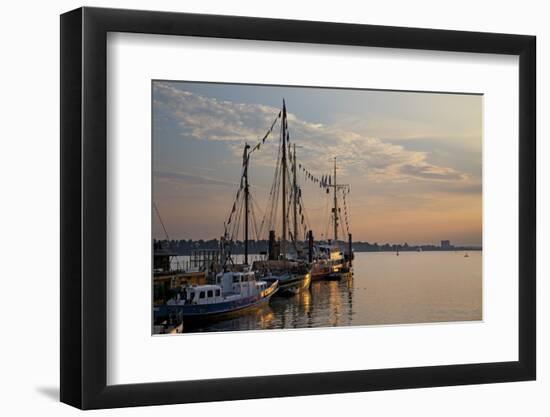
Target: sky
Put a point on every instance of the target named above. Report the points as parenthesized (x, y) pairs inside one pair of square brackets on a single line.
[(413, 160)]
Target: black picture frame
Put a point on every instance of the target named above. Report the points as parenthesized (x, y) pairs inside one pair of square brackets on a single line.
[(84, 207)]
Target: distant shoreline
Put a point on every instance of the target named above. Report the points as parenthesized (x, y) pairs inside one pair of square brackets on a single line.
[(187, 247)]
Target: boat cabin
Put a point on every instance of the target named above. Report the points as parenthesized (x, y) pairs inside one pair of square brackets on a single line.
[(201, 294), (330, 252), (243, 283)]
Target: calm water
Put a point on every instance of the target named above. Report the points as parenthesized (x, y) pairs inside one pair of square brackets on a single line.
[(414, 287)]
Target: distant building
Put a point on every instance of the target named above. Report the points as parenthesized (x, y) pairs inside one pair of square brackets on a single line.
[(446, 244)]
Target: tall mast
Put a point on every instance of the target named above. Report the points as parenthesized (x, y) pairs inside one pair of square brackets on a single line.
[(295, 193), (335, 208), (283, 128), (246, 195)]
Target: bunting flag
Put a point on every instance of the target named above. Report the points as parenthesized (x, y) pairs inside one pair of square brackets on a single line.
[(270, 130)]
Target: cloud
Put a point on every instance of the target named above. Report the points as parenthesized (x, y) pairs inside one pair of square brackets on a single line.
[(206, 118), (192, 178)]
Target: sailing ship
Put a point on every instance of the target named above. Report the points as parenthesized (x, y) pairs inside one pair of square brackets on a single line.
[(330, 261), (285, 263)]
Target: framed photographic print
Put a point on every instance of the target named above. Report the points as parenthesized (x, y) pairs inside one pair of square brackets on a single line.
[(258, 208)]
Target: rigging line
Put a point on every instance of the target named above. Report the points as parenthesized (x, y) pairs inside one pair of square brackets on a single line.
[(238, 222), (290, 188), (273, 194), (272, 202), (343, 231), (275, 197), (253, 212), (269, 131), (306, 216), (165, 232), (325, 215), (277, 202), (259, 230), (254, 224), (345, 209), (161, 222), (235, 201), (236, 219)]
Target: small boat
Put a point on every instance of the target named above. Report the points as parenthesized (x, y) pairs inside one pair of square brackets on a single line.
[(329, 259), (291, 276), (233, 292), (466, 255)]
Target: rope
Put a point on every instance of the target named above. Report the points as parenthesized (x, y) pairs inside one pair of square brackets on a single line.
[(165, 232), (161, 222), (261, 141)]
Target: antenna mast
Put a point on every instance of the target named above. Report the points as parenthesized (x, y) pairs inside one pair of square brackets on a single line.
[(335, 208), (246, 195), (295, 193), (283, 128)]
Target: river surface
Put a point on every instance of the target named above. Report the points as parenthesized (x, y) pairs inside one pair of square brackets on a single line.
[(414, 287)]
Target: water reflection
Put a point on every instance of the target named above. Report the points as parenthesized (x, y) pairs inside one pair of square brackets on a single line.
[(385, 289), (324, 304)]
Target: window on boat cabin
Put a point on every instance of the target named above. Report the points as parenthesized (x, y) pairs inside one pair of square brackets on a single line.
[(210, 293), (235, 279), (201, 294), (218, 292)]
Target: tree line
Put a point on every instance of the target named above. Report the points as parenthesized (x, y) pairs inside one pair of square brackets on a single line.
[(187, 247)]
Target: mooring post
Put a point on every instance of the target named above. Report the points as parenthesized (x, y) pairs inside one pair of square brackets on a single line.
[(310, 246), (271, 247)]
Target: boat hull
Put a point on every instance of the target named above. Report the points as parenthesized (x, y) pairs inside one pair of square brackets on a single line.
[(320, 270), (292, 283), (329, 270), (337, 276), (197, 312)]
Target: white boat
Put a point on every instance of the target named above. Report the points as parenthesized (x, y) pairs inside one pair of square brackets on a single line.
[(328, 260), (233, 292)]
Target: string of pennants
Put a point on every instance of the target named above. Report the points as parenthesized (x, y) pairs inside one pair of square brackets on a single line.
[(324, 181), (344, 192), (269, 131), (255, 148), (301, 210)]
